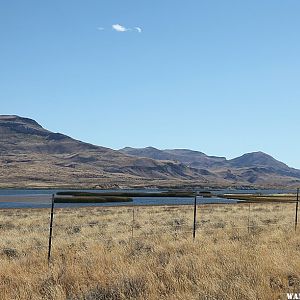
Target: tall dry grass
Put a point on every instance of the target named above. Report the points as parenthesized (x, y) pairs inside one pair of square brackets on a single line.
[(240, 252)]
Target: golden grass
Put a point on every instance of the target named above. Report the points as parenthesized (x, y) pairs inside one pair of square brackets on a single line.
[(97, 255)]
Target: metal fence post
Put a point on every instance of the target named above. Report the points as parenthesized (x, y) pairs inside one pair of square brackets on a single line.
[(195, 216), (296, 214), (50, 229)]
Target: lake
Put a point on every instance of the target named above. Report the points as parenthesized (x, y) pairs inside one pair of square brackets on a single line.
[(26, 198)]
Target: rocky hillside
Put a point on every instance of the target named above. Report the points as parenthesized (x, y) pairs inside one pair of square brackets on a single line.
[(34, 156), (191, 158), (255, 168)]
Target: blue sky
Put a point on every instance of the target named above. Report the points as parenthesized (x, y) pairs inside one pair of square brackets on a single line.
[(221, 77)]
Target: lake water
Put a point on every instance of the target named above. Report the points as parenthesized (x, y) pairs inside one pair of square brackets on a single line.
[(13, 198)]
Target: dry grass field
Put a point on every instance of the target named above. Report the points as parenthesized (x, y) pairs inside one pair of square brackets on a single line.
[(241, 251)]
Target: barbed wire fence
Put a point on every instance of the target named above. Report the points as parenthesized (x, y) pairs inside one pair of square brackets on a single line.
[(184, 221), (198, 223)]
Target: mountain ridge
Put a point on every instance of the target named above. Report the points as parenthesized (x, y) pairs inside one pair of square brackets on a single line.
[(248, 159), (250, 167), (32, 156), (27, 147)]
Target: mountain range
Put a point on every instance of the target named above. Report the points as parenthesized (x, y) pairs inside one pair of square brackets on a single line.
[(34, 157)]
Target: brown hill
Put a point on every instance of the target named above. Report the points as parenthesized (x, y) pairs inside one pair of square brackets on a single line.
[(32, 156), (191, 158), (255, 168)]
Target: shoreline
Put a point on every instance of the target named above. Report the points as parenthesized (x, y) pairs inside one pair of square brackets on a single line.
[(122, 206)]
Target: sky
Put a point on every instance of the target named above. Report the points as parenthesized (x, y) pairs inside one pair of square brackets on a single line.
[(221, 77)]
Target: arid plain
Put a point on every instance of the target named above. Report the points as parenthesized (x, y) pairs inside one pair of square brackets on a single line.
[(241, 251)]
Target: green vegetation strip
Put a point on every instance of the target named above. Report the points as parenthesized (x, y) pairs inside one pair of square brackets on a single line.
[(126, 194), (287, 198), (91, 199)]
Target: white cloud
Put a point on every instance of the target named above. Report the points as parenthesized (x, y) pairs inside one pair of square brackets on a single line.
[(100, 28), (139, 29), (119, 28)]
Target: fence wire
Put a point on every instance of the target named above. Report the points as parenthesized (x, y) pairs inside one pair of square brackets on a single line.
[(131, 223)]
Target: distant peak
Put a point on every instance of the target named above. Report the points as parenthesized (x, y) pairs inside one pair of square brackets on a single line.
[(126, 148), (20, 124), (9, 117), (184, 150), (139, 149), (15, 118), (256, 154), (258, 158), (151, 148)]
